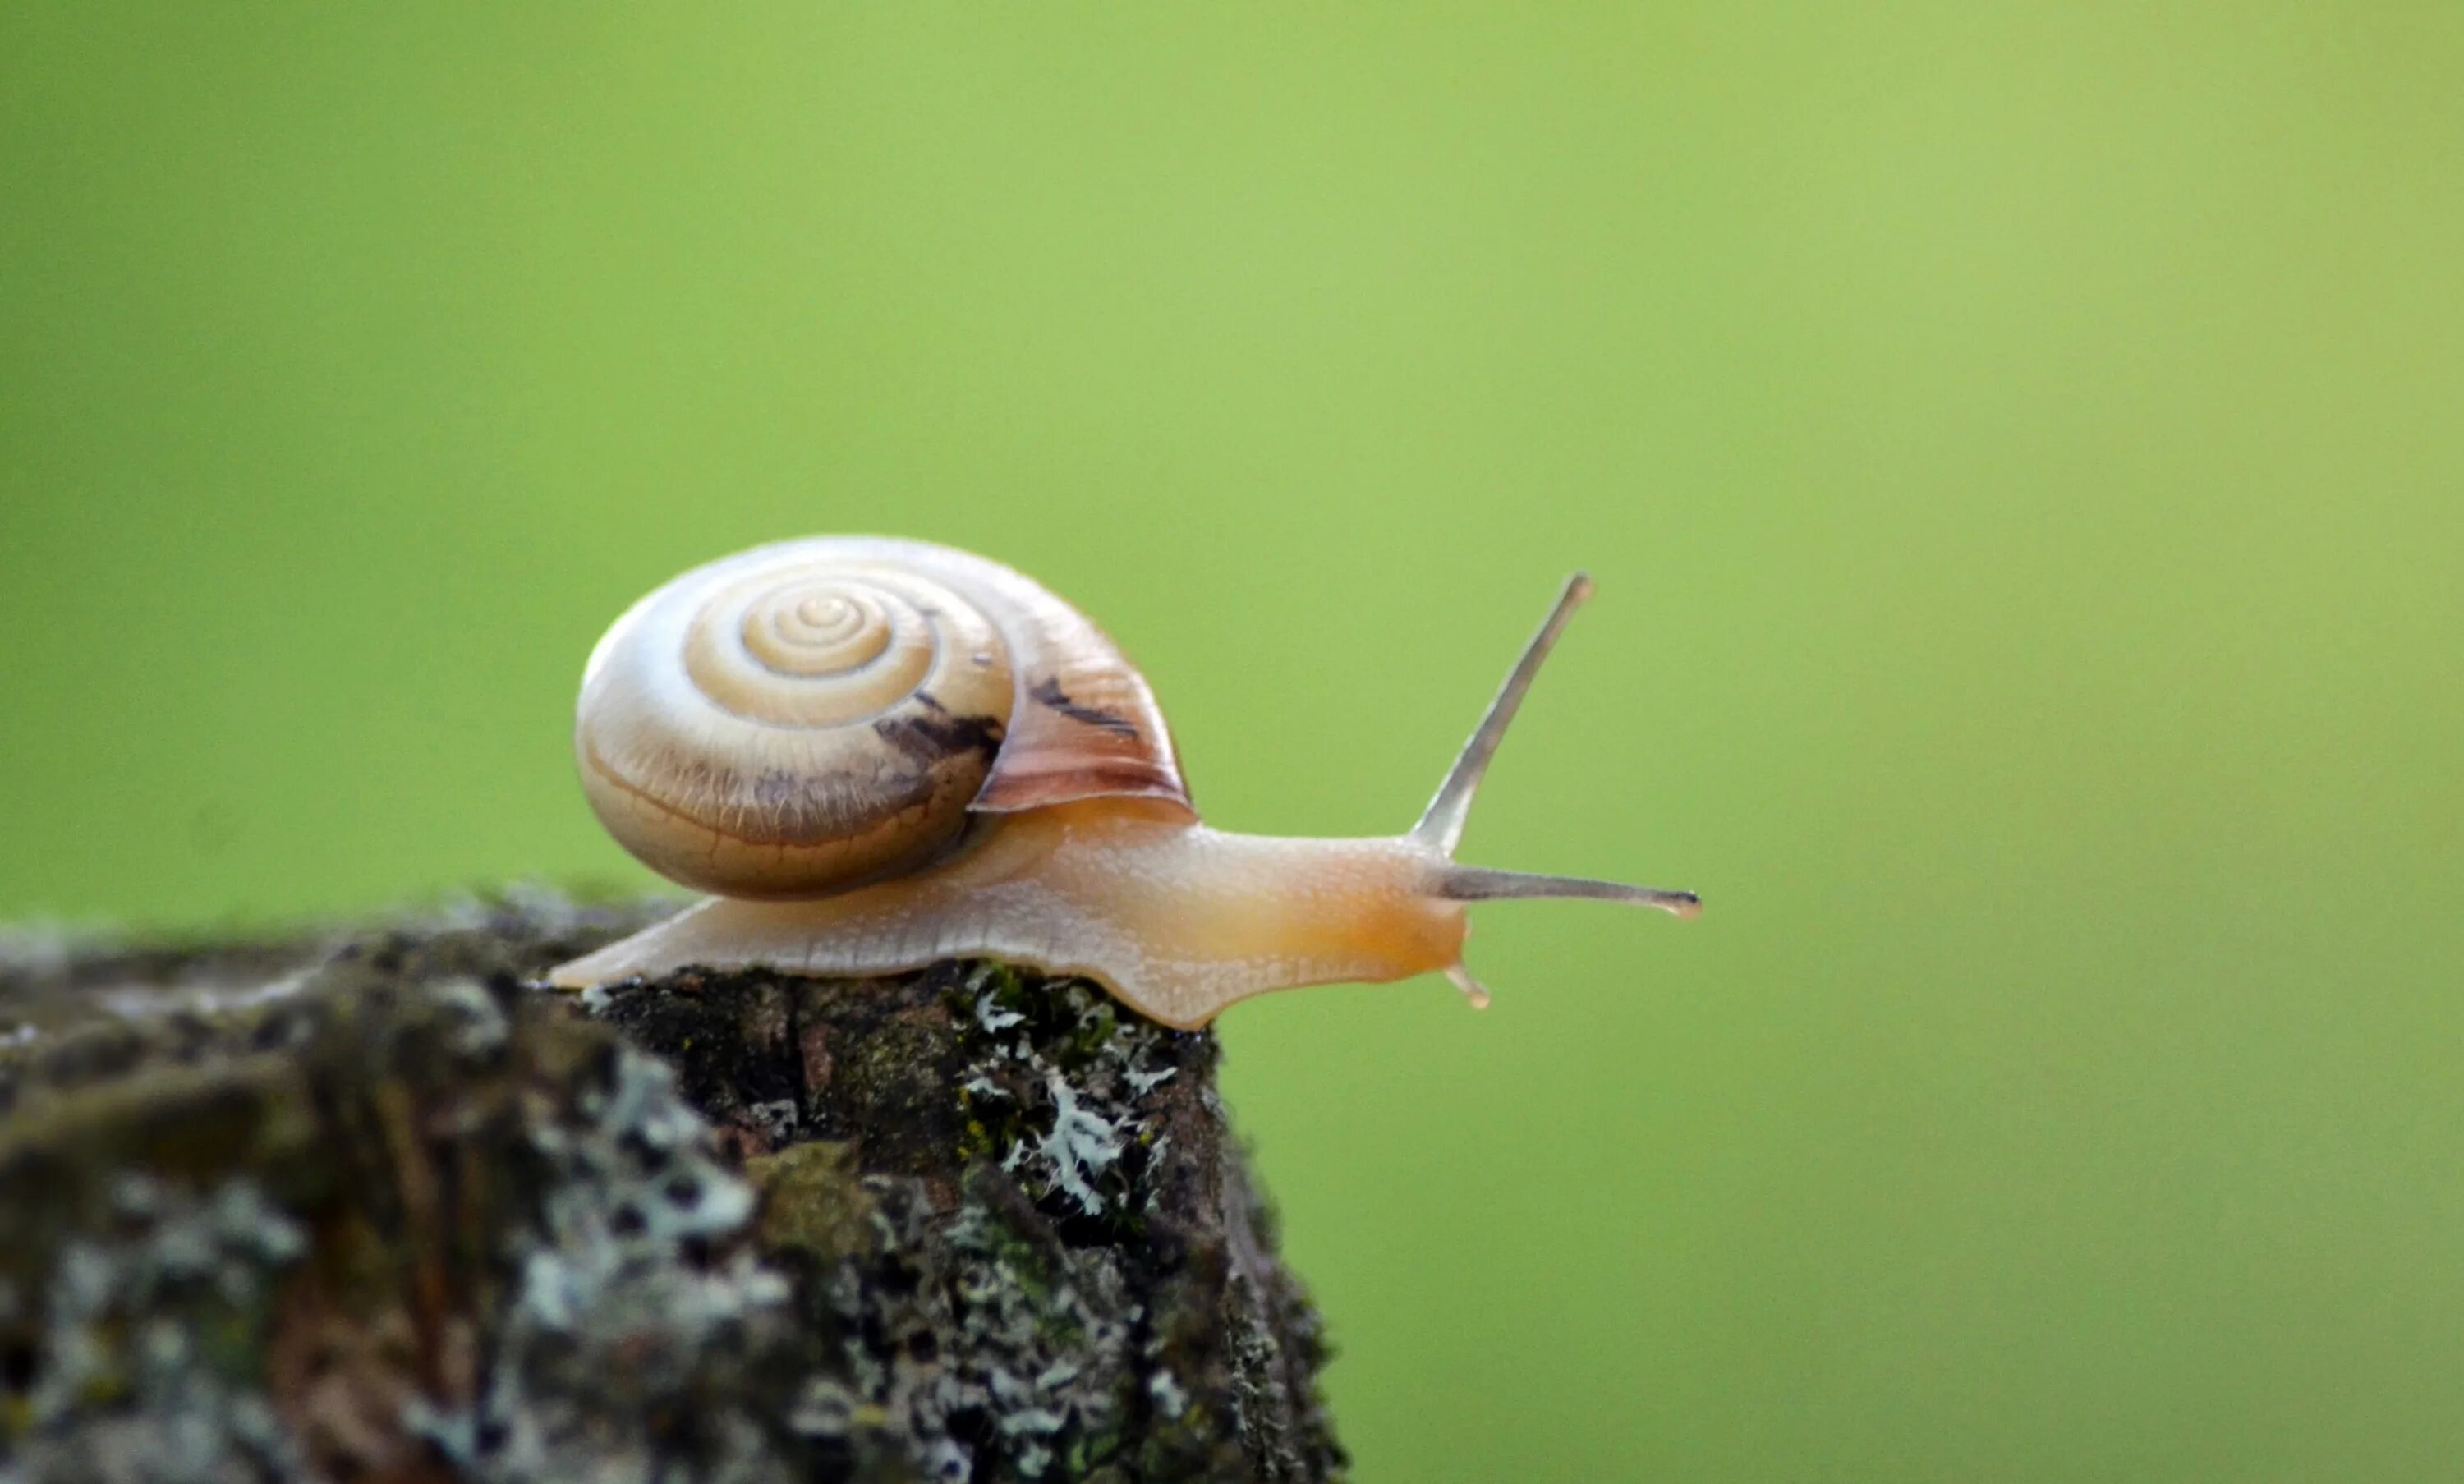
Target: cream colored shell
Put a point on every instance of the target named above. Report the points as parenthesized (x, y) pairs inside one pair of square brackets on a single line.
[(804, 716)]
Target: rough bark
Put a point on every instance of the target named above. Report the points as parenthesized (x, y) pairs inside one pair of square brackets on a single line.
[(371, 1205)]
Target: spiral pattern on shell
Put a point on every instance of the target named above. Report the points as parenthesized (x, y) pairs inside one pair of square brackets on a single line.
[(802, 717)]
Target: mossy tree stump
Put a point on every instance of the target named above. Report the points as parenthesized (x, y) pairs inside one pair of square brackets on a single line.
[(372, 1206)]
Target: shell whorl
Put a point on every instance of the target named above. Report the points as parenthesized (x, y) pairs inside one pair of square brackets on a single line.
[(802, 717)]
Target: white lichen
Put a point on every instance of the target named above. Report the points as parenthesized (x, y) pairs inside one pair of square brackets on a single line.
[(1081, 1145), (618, 1291), (1169, 1398), (127, 1315)]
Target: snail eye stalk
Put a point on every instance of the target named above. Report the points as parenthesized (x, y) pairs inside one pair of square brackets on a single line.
[(1442, 827), (1441, 824)]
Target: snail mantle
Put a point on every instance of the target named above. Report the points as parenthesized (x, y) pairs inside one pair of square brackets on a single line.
[(369, 1205), (879, 754)]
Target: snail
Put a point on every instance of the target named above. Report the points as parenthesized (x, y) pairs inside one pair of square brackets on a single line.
[(877, 753)]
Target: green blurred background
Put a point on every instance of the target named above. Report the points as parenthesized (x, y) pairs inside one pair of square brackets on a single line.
[(2023, 460)]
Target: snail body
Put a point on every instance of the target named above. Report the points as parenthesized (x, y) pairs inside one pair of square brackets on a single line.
[(878, 753)]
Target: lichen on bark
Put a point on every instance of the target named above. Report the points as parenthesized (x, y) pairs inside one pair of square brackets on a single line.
[(373, 1206)]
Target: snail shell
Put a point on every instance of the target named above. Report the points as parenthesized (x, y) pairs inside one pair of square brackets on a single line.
[(806, 716)]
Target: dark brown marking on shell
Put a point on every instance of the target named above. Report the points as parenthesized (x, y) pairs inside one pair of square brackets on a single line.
[(1048, 691), (925, 740)]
